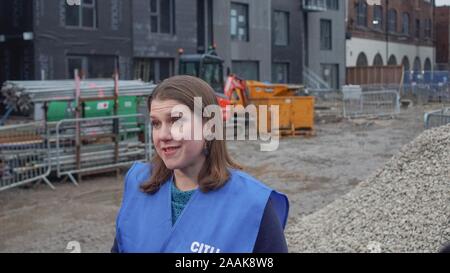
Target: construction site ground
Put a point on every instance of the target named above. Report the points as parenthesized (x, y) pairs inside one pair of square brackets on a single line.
[(312, 171)]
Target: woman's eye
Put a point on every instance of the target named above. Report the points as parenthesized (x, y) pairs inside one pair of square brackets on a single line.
[(156, 124), (174, 119)]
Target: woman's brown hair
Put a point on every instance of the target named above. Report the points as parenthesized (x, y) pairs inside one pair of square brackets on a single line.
[(214, 173)]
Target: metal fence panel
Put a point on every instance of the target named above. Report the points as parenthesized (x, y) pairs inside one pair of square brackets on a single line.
[(24, 155), (89, 144), (437, 118), (427, 86), (358, 103), (428, 92)]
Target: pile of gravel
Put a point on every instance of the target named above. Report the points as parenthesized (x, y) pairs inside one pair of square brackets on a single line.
[(404, 207)]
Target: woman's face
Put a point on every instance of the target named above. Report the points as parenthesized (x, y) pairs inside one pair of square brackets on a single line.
[(176, 154)]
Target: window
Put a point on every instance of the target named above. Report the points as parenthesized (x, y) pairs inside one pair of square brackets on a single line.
[(92, 66), (83, 15), (405, 63), (361, 13), (427, 28), (79, 63), (213, 75), (427, 65), (161, 16), (165, 67), (330, 74), (405, 25), (239, 22), (325, 34), (190, 68), (333, 4), (362, 60), (155, 70), (417, 65), (378, 17), (280, 30), (280, 72), (248, 70), (418, 28), (101, 67), (378, 60), (392, 20), (392, 60)]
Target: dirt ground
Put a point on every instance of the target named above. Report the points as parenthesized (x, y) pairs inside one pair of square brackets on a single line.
[(311, 171)]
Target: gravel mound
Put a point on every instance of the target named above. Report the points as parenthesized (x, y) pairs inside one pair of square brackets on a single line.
[(404, 207)]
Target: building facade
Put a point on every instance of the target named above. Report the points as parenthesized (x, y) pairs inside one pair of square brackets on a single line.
[(325, 42), (50, 39), (160, 29), (242, 34), (287, 42), (266, 40), (442, 30), (391, 32)]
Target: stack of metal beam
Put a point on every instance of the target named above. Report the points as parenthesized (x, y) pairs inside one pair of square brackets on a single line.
[(21, 95)]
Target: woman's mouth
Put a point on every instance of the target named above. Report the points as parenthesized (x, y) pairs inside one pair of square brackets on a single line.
[(169, 151)]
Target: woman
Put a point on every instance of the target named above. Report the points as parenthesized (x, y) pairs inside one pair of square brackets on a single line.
[(192, 197)]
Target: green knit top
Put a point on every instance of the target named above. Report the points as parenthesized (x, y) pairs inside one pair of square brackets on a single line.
[(179, 201)]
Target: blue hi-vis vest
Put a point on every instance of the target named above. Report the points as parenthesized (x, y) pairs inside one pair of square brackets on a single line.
[(223, 221)]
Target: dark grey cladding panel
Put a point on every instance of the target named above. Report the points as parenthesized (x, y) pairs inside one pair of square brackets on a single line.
[(293, 53), (54, 40), (114, 20), (15, 16), (147, 44)]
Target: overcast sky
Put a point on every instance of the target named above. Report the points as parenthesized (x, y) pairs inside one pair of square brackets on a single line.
[(442, 2)]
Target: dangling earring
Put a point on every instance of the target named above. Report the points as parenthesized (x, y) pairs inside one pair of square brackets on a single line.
[(205, 150)]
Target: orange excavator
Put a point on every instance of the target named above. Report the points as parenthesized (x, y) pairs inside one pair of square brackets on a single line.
[(296, 108)]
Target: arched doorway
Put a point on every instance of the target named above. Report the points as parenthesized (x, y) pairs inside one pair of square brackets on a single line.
[(378, 60), (406, 65), (417, 65), (427, 70), (392, 60), (427, 65), (407, 69), (362, 60)]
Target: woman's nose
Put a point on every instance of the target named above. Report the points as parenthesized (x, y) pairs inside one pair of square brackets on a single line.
[(165, 132)]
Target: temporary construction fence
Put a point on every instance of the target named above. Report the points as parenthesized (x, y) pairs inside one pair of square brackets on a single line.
[(427, 92), (327, 105), (31, 152), (77, 144), (360, 103), (427, 86), (437, 118), (97, 144), (24, 155), (419, 86), (431, 77)]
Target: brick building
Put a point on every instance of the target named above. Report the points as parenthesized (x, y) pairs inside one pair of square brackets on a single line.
[(392, 32), (442, 30)]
